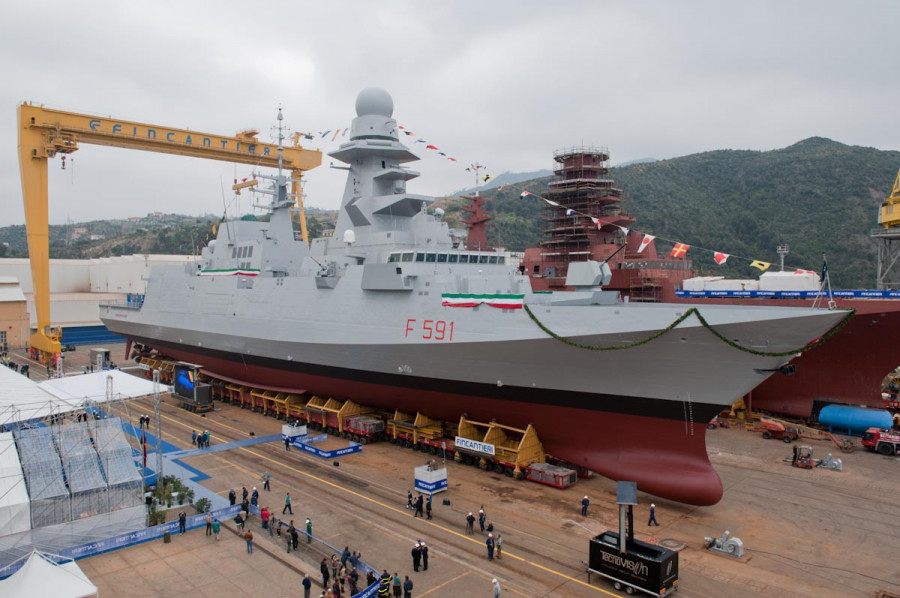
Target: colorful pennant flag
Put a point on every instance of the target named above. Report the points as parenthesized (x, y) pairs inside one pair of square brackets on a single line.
[(551, 202), (720, 257), (679, 250), (522, 195), (570, 212), (487, 177), (763, 266), (430, 147), (799, 271), (421, 141), (645, 241)]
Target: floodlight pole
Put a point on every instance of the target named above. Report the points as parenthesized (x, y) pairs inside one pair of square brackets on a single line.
[(156, 411)]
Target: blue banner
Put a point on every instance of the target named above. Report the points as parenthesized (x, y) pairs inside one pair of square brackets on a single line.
[(431, 488), (857, 294), (306, 445)]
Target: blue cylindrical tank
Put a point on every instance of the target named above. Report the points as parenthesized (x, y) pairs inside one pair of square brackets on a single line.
[(854, 420)]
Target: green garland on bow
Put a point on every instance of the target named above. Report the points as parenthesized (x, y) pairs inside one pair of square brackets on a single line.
[(694, 311)]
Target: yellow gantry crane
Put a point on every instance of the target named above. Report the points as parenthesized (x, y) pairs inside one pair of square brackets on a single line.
[(44, 133), (889, 216)]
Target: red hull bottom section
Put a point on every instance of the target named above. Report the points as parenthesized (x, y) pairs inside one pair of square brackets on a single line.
[(666, 457)]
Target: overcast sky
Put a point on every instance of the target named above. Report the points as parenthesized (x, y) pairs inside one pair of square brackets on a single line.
[(502, 83)]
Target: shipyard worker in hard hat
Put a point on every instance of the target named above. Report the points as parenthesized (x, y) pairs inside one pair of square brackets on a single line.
[(232, 497), (585, 503), (481, 518), (652, 520), (490, 546), (470, 523)]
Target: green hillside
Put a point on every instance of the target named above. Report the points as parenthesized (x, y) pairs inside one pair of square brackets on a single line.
[(816, 195)]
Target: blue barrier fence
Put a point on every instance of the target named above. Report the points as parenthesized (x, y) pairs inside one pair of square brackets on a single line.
[(858, 294)]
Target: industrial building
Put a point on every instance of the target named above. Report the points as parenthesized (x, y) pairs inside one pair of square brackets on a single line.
[(76, 289)]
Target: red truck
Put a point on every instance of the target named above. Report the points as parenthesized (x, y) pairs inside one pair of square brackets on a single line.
[(882, 441)]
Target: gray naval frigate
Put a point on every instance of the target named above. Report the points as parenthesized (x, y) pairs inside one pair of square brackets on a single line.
[(389, 313)]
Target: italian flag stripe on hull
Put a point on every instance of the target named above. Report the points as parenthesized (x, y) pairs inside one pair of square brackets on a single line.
[(471, 300), (234, 272)]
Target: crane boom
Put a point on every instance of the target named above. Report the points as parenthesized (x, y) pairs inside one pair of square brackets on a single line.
[(44, 133)]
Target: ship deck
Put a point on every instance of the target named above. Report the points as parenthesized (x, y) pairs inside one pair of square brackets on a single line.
[(809, 533)]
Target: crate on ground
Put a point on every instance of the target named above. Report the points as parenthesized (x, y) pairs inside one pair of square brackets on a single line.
[(552, 475)]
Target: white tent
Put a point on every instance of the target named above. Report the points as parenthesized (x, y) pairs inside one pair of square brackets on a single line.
[(41, 576), (15, 507), (91, 388), (22, 399)]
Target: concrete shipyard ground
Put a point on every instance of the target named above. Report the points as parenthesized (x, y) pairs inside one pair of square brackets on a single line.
[(808, 533)]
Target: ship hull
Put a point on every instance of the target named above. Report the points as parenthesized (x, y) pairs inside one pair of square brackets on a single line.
[(664, 453), (849, 368)]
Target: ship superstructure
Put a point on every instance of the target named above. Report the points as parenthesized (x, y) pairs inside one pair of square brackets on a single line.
[(587, 223), (387, 312)]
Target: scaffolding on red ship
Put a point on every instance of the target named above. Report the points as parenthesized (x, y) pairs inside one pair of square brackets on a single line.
[(588, 224)]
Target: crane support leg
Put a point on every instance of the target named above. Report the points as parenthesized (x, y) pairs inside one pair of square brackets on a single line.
[(33, 169)]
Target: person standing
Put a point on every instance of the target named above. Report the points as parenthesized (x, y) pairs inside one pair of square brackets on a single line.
[(397, 585), (428, 507), (652, 520), (206, 438), (416, 556), (384, 588), (244, 493), (266, 479), (407, 587), (424, 551), (345, 556), (481, 519), (470, 523), (409, 503), (254, 498), (585, 503), (420, 502), (248, 537), (208, 523), (496, 587), (490, 546), (499, 546), (182, 522), (287, 443), (194, 437), (307, 585), (287, 504), (323, 568), (216, 526), (308, 530), (232, 497), (334, 566)]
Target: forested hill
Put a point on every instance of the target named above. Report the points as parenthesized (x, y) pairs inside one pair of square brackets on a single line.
[(816, 195)]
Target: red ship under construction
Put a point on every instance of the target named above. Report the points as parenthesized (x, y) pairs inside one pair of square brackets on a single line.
[(848, 369)]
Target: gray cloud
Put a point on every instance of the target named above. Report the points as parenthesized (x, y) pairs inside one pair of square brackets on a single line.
[(504, 83)]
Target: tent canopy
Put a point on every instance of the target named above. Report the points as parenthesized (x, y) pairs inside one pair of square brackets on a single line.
[(23, 399), (41, 576)]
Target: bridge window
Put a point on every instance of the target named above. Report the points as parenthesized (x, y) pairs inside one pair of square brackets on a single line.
[(464, 259), (420, 257), (408, 256), (430, 257), (394, 257), (493, 259), (483, 259), (442, 258), (453, 258)]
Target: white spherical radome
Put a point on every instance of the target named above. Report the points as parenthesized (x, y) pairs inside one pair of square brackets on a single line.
[(374, 100)]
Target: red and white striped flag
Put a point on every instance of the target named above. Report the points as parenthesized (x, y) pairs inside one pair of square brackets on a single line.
[(720, 258)]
